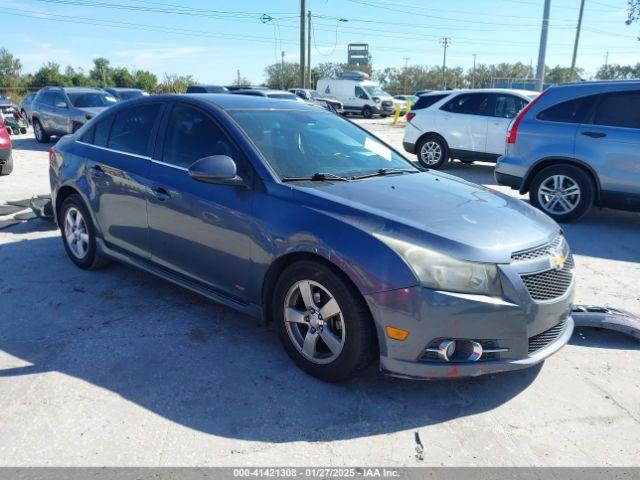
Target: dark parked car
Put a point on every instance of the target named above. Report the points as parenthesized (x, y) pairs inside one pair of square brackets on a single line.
[(278, 94), (574, 146), (62, 110), (314, 97), (206, 89), (123, 94), (25, 106), (6, 161), (285, 211)]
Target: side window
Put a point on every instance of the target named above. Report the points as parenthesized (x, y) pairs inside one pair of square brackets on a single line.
[(99, 133), (426, 101), (571, 111), (131, 129), (470, 103), (192, 135), (59, 98), (508, 106), (360, 93), (47, 98), (619, 109)]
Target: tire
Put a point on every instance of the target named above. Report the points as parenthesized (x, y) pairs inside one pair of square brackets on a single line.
[(7, 168), (384, 115), (40, 133), (432, 152), (350, 329), (366, 112), (87, 258), (23, 130), (558, 181)]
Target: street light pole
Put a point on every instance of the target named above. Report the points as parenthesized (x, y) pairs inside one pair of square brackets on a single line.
[(310, 84), (575, 45), (473, 77), (303, 12), (445, 42), (542, 52)]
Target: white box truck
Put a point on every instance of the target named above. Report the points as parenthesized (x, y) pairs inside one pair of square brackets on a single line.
[(358, 94)]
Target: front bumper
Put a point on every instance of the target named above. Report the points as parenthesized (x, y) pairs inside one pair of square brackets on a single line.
[(430, 315)]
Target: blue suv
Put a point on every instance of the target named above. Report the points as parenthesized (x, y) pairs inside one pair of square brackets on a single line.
[(574, 146)]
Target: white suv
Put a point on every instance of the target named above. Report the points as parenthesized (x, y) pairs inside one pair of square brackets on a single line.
[(468, 125)]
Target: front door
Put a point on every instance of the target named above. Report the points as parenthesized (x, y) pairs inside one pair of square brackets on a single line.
[(199, 230)]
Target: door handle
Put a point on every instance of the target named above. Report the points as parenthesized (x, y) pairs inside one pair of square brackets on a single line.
[(96, 171), (161, 194), (594, 134)]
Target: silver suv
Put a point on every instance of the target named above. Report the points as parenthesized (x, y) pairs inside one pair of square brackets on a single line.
[(574, 146), (60, 110)]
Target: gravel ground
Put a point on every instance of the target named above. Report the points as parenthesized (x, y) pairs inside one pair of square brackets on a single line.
[(116, 367)]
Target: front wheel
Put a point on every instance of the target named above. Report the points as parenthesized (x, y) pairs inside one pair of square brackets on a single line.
[(432, 152), (564, 192), (322, 321)]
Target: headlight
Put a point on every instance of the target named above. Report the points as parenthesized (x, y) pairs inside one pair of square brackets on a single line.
[(440, 272)]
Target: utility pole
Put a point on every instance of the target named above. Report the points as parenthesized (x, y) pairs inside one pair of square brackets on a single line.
[(282, 71), (310, 83), (606, 60), (404, 76), (575, 45), (238, 77), (542, 52), (445, 42), (473, 77), (303, 12)]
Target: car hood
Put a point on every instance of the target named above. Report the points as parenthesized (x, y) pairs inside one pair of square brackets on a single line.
[(93, 111), (438, 211)]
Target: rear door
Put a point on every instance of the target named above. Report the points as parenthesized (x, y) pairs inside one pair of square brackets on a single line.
[(199, 230), (609, 141), (60, 116), (503, 109), (463, 121), (118, 148), (45, 109)]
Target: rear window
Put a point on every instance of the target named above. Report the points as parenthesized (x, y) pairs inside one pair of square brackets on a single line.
[(571, 111), (426, 101), (619, 109), (131, 129)]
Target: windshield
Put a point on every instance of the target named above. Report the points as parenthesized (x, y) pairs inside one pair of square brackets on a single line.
[(286, 96), (299, 143), (91, 99), (313, 94), (129, 94), (376, 92)]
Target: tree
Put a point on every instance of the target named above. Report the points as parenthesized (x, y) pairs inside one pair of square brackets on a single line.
[(10, 69), (633, 11), (618, 72), (100, 74), (242, 81), (282, 76), (145, 80), (76, 78), (559, 74), (173, 83), (49, 74), (121, 77)]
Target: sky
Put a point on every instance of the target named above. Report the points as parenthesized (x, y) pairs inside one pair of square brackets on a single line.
[(212, 39)]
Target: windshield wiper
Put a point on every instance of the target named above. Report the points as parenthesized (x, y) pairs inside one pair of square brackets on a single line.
[(386, 171), (317, 177)]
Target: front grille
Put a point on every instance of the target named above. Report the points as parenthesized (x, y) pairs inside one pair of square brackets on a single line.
[(549, 284), (538, 342), (387, 104), (537, 252)]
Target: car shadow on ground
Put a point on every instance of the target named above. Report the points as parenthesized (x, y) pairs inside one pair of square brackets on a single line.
[(197, 363), (29, 143), (602, 233)]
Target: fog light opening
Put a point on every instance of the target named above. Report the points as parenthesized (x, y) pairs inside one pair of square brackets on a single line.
[(446, 349)]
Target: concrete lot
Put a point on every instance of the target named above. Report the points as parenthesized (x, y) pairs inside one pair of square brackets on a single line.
[(116, 367)]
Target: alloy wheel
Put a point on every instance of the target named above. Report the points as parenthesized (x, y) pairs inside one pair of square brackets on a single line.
[(37, 130), (76, 233), (559, 194), (314, 322), (431, 152)]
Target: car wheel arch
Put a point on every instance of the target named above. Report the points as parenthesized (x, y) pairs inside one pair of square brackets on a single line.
[(432, 134), (63, 193), (550, 161)]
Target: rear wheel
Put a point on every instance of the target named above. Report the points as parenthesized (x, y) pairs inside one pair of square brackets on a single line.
[(40, 133), (366, 112), (432, 152), (7, 167), (322, 322), (564, 192), (79, 234)]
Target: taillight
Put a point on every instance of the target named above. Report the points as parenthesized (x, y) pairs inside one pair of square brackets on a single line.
[(52, 153), (512, 131), (410, 116)]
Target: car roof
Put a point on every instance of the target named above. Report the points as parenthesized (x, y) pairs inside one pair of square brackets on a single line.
[(231, 101), (123, 89)]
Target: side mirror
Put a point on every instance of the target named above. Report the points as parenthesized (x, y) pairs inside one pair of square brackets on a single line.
[(61, 105), (218, 169)]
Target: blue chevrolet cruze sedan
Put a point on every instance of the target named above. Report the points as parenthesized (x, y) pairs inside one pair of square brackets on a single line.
[(291, 214)]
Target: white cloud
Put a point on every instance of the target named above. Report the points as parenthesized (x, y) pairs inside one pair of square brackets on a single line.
[(149, 57)]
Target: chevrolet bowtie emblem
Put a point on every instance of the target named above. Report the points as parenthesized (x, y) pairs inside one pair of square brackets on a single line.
[(557, 261)]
